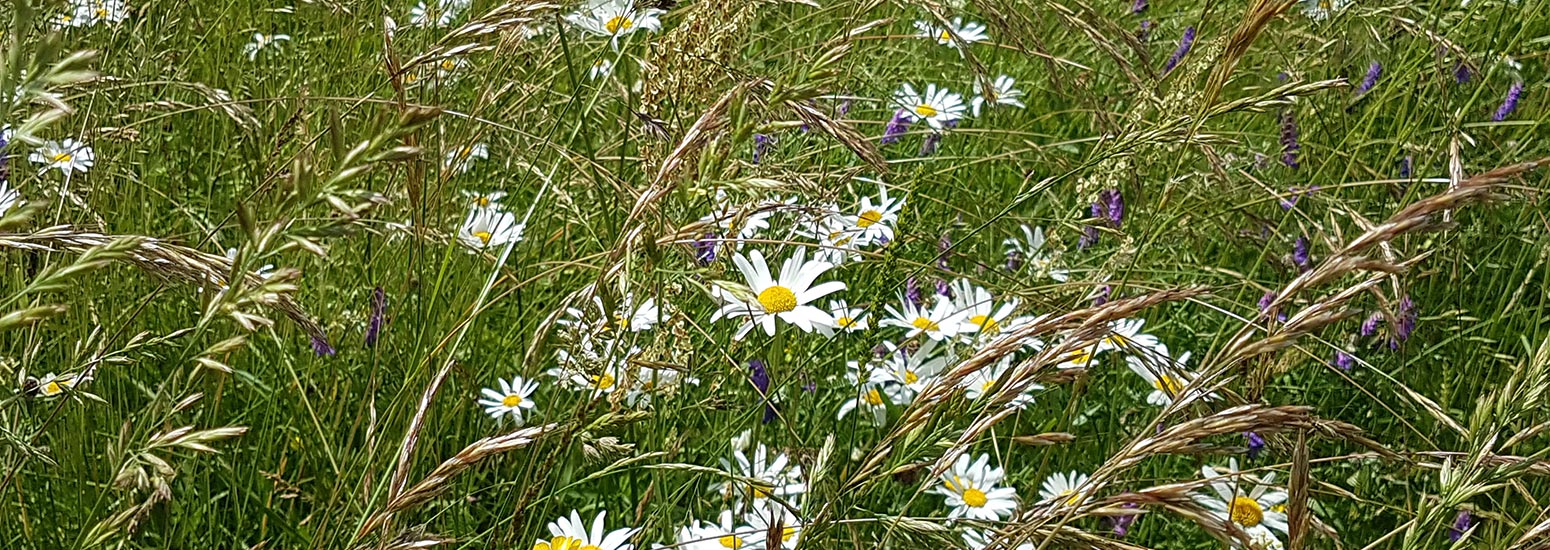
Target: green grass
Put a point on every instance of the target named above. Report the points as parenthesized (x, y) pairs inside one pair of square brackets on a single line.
[(179, 162)]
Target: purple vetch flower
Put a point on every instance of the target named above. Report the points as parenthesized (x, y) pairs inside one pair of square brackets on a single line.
[(1300, 254), (1289, 144), (1103, 295), (760, 376), (1138, 6), (942, 289), (378, 312), (1344, 360), (1462, 74), (944, 245), (1120, 525), (1404, 322), (1374, 71), (320, 345), (880, 351), (1146, 30), (1113, 206), (1185, 43), (1256, 444), (929, 145), (912, 292), (844, 108), (761, 144), (1089, 237), (1461, 525), (896, 127), (1406, 167), (1014, 260), (1370, 325), (1510, 103), (705, 249), (1265, 301)]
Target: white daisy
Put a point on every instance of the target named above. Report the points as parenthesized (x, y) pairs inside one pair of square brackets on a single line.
[(601, 68), (1078, 359), (572, 534), (763, 520), (912, 370), (1261, 538), (67, 156), (54, 384), (982, 383), (846, 318), (587, 366), (650, 382), (1063, 487), (615, 19), (629, 315), (1244, 499), (773, 474), (937, 107), (999, 92), (972, 492), (872, 400), (839, 240), (738, 224), (262, 41), (1125, 335), (785, 298), (938, 322), (969, 33), (981, 318), (489, 227), (875, 220), (1319, 10), (441, 14), (462, 158), (513, 398), (976, 539), (86, 13), (11, 197), (724, 534), (484, 200), (1168, 377), (1030, 251)]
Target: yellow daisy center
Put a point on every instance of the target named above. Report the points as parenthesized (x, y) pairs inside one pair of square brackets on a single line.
[(61, 157), (777, 299), (618, 23), (1081, 356), (1169, 385), (986, 324), (873, 397), (910, 377), (988, 385), (1072, 499), (1117, 340), (562, 543), (603, 382), (974, 497), (845, 322), (53, 388), (945, 36), (760, 491), (448, 64), (1325, 4), (730, 541), (925, 324), (511, 400), (787, 533), (1245, 511), (871, 217), (484, 236), (925, 110), (482, 201)]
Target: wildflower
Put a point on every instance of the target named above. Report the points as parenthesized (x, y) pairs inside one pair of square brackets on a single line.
[(572, 534), (975, 539), (484, 200), (724, 534), (1120, 525), (1320, 10), (1370, 324), (1102, 296), (761, 143), (1144, 34), (86, 13), (1462, 524), (783, 298), (601, 68), (1289, 144), (608, 361), (1406, 167), (1404, 322), (1266, 300), (513, 397), (67, 156), (874, 399), (1185, 42), (630, 315), (8, 197), (999, 92), (1300, 253), (763, 520), (705, 249), (936, 107), (1259, 505), (1256, 444), (1510, 103), (1030, 250), (1126, 335), (489, 227), (914, 370), (912, 292), (378, 313), (981, 316), (1374, 71), (846, 318), (262, 41), (737, 225), (1462, 74), (439, 15), (1344, 360), (876, 220), (615, 19), (1063, 487), (462, 158), (1113, 206), (939, 322), (1168, 378), (54, 384), (321, 347), (969, 33), (896, 127), (972, 492), (929, 145), (759, 376), (982, 383), (767, 473), (1138, 6)]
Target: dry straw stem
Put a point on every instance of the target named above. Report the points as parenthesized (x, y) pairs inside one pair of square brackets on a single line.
[(1297, 515), (437, 481), (1536, 538), (1255, 20), (464, 40), (1086, 21)]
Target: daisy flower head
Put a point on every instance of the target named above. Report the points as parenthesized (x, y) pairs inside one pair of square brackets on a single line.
[(874, 221), (1243, 499), (615, 19), (977, 539), (589, 366), (489, 227), (601, 68), (1168, 378), (872, 401), (724, 534), (448, 70), (914, 370), (52, 384), (972, 492), (982, 383), (839, 241), (263, 41), (999, 92), (846, 318), (86, 13), (650, 382), (772, 473), (981, 317), (66, 156), (784, 297), (765, 519), (571, 534), (438, 13), (738, 225), (512, 400), (1126, 335), (478, 199), (938, 107), (938, 322), (969, 33), (630, 315), (10, 197), (1063, 488), (462, 158), (1030, 251), (1320, 10)]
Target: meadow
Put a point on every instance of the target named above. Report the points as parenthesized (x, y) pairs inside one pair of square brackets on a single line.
[(775, 274)]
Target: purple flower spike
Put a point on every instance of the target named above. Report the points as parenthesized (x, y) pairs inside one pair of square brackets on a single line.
[(761, 143), (1370, 325), (1511, 103), (1113, 206), (1462, 74), (1185, 44), (929, 145), (1265, 301), (705, 249), (1374, 71), (320, 346), (1461, 525), (1138, 6), (1289, 144), (1120, 525), (1256, 444), (378, 312), (1405, 320), (1089, 237), (912, 292), (942, 289), (1406, 167), (1103, 295), (760, 376), (1146, 30), (899, 124), (943, 246), (1300, 254), (1344, 361)]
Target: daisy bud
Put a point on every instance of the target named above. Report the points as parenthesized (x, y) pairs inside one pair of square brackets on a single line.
[(378, 309), (1187, 41), (1374, 71), (1461, 525), (1289, 144), (1510, 103), (896, 127)]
